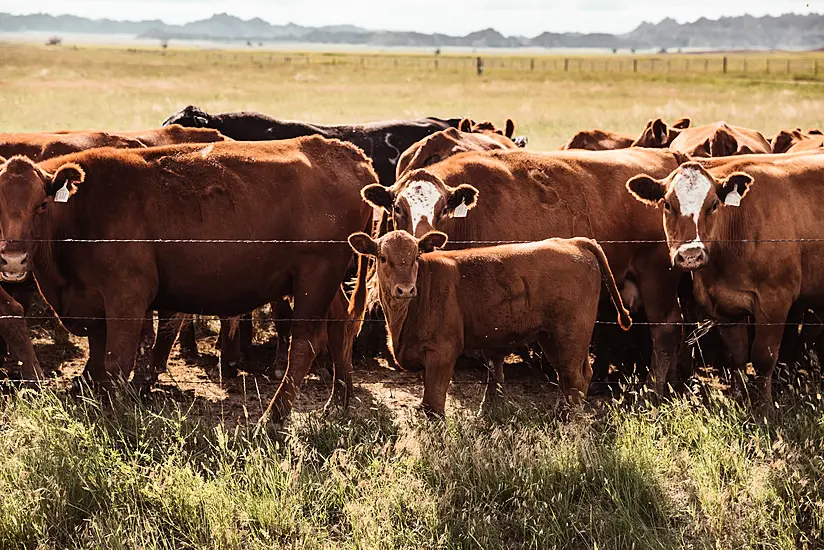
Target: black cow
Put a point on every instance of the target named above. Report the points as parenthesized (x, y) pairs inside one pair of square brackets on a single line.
[(383, 142)]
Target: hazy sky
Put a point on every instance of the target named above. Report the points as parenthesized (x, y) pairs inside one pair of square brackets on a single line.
[(512, 17)]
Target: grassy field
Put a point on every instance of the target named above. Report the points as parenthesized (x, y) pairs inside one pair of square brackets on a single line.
[(187, 470)]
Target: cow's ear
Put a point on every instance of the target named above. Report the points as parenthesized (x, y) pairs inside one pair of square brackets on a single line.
[(510, 128), (363, 244), (70, 175), (465, 125), (378, 196), (646, 189), (660, 131), (463, 194), (682, 123), (737, 183), (815, 132), (431, 241)]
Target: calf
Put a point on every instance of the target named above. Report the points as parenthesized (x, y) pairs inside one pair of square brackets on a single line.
[(441, 304), (740, 227)]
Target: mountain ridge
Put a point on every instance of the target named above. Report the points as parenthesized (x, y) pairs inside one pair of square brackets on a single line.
[(746, 32)]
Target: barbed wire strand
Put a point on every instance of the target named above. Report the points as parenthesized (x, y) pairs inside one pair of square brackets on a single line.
[(343, 241)]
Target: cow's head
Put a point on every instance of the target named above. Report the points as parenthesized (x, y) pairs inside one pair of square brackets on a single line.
[(691, 201), (397, 255), (191, 117), (26, 191), (420, 201)]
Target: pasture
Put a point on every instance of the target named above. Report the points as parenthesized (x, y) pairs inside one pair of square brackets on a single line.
[(187, 468)]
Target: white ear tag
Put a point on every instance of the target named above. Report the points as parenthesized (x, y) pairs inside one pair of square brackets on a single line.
[(62, 194), (733, 198), (461, 211)]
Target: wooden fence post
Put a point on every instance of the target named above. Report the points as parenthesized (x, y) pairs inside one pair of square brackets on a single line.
[(479, 65), (724, 70), (635, 65), (566, 64), (788, 66), (531, 64), (706, 65)]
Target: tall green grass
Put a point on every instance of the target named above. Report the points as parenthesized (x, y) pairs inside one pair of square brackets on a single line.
[(692, 473)]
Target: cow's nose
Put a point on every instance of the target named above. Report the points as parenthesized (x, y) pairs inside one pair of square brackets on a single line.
[(405, 291), (691, 258)]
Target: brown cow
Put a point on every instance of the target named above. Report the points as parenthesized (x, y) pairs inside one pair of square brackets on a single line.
[(440, 145), (174, 134), (719, 140), (441, 304), (720, 223), (655, 135), (815, 143), (42, 146), (304, 190), (487, 197), (599, 140)]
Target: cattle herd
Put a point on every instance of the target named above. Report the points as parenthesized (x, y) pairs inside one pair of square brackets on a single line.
[(464, 241)]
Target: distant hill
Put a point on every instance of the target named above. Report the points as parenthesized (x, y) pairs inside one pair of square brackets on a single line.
[(797, 32)]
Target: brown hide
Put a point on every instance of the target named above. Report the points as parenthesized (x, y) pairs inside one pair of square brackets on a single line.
[(598, 140), (525, 196), (441, 145), (759, 280), (489, 300), (719, 140), (814, 143), (301, 189), (39, 147), (174, 134)]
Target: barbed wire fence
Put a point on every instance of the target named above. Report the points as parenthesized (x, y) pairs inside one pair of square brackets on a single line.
[(700, 328)]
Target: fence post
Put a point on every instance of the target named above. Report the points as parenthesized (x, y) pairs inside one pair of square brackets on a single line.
[(788, 66), (479, 65), (768, 66), (706, 65), (745, 65), (635, 65), (725, 65), (815, 67), (566, 64), (531, 64), (436, 63)]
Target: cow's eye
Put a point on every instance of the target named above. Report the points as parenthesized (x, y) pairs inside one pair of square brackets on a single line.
[(397, 209), (383, 259), (667, 206), (41, 207), (713, 207)]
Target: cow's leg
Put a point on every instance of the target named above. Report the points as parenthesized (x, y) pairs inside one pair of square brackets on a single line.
[(95, 368), (15, 333), (764, 353), (230, 352), (246, 335), (313, 298), (660, 298), (168, 326), (341, 333), (736, 344), (145, 346), (124, 323), (188, 339), (282, 312), (438, 371), (494, 382), (568, 349)]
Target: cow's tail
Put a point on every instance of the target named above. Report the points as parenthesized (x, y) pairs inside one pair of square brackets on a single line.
[(623, 315)]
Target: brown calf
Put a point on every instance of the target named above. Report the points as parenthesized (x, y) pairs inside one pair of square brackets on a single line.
[(441, 304), (722, 223)]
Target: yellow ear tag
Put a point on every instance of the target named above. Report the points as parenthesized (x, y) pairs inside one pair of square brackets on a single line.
[(62, 194)]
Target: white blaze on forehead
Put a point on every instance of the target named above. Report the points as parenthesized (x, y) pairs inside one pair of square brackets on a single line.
[(422, 197), (691, 187)]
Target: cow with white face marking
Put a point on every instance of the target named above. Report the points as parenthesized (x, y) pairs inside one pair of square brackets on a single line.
[(517, 195), (749, 228)]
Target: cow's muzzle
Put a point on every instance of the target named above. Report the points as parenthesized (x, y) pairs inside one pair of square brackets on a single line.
[(404, 292), (690, 257), (14, 266)]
